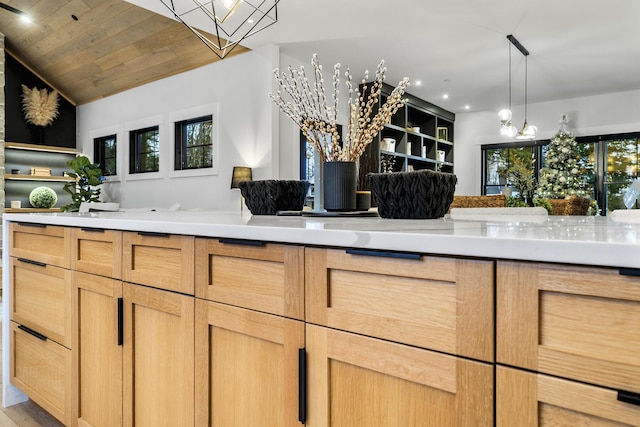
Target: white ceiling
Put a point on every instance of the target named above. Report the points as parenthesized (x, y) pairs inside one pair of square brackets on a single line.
[(459, 47)]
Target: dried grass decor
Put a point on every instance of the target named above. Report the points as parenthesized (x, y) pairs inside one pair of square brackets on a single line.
[(40, 106)]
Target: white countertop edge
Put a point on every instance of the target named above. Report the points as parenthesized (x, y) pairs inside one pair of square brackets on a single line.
[(435, 238)]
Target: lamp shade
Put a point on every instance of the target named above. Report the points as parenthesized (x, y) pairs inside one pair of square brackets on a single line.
[(240, 174)]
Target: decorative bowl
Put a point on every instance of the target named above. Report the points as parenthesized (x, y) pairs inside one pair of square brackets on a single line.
[(423, 194), (267, 197)]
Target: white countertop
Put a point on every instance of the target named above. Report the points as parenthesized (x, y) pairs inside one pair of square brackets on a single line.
[(577, 240)]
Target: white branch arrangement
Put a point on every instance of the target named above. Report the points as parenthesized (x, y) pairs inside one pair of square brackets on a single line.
[(310, 108), (40, 107)]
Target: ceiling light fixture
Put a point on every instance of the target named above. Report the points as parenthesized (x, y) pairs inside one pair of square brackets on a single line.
[(507, 129), (23, 15), (224, 24)]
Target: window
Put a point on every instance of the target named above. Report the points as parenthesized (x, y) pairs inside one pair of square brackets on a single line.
[(194, 143), (105, 154), (609, 163), (144, 150)]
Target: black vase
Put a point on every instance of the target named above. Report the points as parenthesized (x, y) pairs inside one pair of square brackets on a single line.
[(339, 183)]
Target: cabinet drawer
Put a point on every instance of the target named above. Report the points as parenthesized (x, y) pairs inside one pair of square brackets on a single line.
[(163, 261), (569, 321), (443, 304), (38, 242), (361, 381), (534, 400), (42, 299), (265, 277), (42, 370), (97, 251)]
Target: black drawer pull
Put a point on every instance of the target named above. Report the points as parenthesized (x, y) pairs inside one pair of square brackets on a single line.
[(32, 332), (629, 271), (152, 234), (245, 242), (93, 230), (386, 254), (629, 397), (32, 224), (120, 321), (28, 261), (302, 385)]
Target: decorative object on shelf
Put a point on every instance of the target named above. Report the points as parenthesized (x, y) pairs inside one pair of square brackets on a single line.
[(16, 204), (240, 174), (267, 197), (226, 22), (340, 181), (40, 172), (88, 176), (440, 155), (40, 106), (562, 176), (388, 144), (415, 129), (363, 200), (442, 133), (507, 129), (408, 147), (423, 194), (309, 108), (423, 151), (43, 198)]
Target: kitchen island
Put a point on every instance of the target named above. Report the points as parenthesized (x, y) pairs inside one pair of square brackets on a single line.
[(533, 317)]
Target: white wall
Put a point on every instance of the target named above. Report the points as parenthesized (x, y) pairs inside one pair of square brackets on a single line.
[(593, 115), (247, 131)]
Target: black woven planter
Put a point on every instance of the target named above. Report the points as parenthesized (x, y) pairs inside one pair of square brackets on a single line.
[(423, 194), (270, 196)]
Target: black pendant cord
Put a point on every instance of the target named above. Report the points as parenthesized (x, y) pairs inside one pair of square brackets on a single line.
[(526, 85)]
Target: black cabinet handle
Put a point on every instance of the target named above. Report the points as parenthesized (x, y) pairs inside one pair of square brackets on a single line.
[(152, 234), (120, 321), (629, 271), (629, 397), (28, 261), (93, 230), (386, 254), (245, 242), (302, 385), (32, 332), (32, 224)]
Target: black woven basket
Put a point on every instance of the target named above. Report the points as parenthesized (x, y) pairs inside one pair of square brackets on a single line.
[(272, 195), (423, 194)]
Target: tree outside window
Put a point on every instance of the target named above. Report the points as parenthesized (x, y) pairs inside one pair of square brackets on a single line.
[(194, 143), (144, 150), (105, 154)]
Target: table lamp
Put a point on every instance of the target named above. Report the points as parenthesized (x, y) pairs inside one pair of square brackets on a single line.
[(240, 174)]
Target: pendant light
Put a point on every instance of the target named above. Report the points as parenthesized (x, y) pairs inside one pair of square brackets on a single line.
[(507, 129)]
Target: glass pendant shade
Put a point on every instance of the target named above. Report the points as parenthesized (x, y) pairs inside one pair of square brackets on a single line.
[(505, 115), (508, 130)]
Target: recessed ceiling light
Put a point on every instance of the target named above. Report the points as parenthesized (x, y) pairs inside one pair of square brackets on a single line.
[(466, 107), (445, 96), (250, 21), (25, 18), (418, 82)]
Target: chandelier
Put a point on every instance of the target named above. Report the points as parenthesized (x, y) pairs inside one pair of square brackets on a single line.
[(224, 24), (507, 129)]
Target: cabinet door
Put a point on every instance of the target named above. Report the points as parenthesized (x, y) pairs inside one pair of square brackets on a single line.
[(360, 381), (266, 277), (97, 251), (163, 261), (98, 352), (246, 367), (158, 357), (569, 321), (527, 399), (442, 304)]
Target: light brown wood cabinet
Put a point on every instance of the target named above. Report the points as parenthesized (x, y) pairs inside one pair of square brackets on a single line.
[(41, 313), (579, 326), (97, 251), (246, 367)]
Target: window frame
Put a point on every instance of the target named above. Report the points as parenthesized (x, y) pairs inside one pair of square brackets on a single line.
[(181, 148), (99, 153), (186, 114), (134, 136)]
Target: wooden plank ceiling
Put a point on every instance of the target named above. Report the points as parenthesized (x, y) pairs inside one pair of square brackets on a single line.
[(111, 47)]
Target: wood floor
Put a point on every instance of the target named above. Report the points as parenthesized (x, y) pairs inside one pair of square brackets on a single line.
[(26, 414)]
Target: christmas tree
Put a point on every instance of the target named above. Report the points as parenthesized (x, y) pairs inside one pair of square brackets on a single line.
[(561, 177)]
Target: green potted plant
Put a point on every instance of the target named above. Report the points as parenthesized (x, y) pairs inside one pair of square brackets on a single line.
[(88, 176)]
